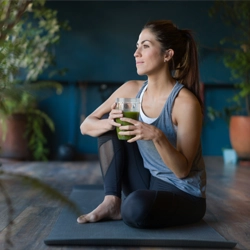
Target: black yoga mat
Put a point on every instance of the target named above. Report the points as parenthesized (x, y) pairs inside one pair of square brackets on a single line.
[(67, 231)]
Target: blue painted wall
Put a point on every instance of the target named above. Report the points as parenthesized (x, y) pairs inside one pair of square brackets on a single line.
[(100, 48)]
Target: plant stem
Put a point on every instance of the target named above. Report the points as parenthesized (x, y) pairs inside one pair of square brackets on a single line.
[(10, 25)]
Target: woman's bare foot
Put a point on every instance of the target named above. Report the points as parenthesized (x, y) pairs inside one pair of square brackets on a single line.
[(110, 208)]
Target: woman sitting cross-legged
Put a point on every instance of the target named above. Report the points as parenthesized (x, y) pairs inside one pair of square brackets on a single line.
[(160, 170)]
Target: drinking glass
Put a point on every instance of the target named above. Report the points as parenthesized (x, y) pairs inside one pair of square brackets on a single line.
[(130, 108)]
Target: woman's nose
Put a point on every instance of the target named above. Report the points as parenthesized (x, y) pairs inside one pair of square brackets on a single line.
[(137, 52)]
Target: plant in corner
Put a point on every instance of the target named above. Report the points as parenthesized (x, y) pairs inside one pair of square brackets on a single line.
[(28, 32), (17, 96), (236, 57)]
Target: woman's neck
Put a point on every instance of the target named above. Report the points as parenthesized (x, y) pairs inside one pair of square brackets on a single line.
[(160, 86)]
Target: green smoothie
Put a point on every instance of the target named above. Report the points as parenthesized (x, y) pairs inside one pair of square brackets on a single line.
[(129, 114)]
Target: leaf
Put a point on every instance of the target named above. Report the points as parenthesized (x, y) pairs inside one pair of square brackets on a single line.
[(236, 56), (48, 191)]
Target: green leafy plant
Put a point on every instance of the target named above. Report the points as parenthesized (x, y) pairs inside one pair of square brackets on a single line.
[(29, 31), (20, 95), (236, 54)]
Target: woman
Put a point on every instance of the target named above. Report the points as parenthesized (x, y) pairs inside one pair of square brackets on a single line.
[(160, 170)]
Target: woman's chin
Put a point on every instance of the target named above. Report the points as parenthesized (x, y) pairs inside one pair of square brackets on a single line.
[(141, 73)]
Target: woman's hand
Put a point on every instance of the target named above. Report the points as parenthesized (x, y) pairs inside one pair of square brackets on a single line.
[(140, 130), (114, 114)]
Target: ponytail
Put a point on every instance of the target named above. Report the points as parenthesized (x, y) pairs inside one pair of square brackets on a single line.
[(187, 71)]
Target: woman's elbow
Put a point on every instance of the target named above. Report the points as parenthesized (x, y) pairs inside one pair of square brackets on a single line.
[(182, 175), (83, 129), (184, 170)]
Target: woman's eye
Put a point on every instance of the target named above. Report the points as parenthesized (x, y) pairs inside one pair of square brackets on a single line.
[(145, 46)]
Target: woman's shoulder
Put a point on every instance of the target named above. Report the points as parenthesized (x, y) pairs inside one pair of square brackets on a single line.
[(187, 100), (128, 89), (132, 86), (186, 106), (186, 96), (134, 83)]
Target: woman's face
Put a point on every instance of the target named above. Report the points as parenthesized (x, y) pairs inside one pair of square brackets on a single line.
[(148, 55)]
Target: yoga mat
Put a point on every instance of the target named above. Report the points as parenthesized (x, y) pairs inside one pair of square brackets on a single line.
[(67, 231)]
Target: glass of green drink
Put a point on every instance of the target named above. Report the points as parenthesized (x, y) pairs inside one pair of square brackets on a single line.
[(130, 108)]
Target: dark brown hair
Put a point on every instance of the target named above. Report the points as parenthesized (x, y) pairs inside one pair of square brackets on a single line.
[(184, 63)]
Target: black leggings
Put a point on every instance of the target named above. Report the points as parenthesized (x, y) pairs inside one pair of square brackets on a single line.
[(149, 202)]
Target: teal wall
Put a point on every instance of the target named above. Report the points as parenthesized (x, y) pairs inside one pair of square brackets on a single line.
[(100, 48)]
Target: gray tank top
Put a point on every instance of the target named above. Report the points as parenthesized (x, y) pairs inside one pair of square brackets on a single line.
[(195, 182)]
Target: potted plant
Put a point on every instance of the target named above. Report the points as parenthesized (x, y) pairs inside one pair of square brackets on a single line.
[(236, 57), (26, 44), (11, 12)]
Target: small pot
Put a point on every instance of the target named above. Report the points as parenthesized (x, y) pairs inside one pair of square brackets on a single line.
[(240, 136), (15, 146)]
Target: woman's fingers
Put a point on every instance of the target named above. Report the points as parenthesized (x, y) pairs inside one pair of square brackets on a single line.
[(134, 128), (140, 130), (129, 130), (113, 115), (132, 121)]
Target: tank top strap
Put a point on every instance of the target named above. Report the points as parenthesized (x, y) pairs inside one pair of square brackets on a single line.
[(175, 91), (142, 88)]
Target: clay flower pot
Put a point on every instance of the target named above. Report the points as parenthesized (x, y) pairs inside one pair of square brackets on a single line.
[(240, 136), (16, 145)]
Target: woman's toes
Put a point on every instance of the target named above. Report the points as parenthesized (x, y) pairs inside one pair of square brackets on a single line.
[(82, 219), (108, 209), (93, 217)]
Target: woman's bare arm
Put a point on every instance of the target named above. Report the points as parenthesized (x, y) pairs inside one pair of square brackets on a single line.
[(187, 115), (93, 125)]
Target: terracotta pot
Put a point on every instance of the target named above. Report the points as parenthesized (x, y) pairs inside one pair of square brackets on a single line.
[(15, 146), (240, 136)]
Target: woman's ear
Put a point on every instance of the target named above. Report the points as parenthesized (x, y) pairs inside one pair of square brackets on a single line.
[(168, 55)]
